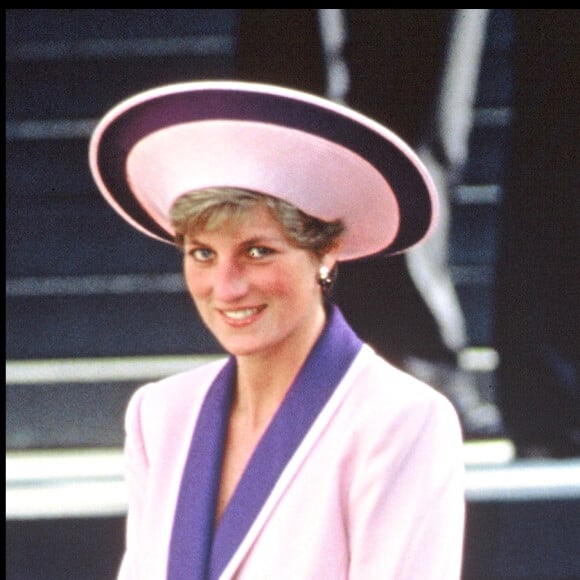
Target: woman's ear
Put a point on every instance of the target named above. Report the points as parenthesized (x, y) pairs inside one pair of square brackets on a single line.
[(328, 268)]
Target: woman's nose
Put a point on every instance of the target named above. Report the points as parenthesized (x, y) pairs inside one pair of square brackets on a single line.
[(230, 282)]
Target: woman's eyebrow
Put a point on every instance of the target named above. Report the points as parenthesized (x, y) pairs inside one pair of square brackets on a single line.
[(256, 240)]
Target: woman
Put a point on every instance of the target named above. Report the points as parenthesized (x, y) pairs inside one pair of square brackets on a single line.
[(302, 454)]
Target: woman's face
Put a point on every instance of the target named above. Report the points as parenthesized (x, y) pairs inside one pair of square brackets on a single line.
[(255, 291)]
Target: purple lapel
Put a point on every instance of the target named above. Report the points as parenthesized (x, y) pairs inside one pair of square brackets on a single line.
[(194, 513), (192, 554)]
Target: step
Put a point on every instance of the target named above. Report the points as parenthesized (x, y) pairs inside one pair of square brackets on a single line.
[(73, 483), (65, 514)]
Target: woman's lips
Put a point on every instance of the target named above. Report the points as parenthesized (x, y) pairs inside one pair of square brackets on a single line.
[(241, 316)]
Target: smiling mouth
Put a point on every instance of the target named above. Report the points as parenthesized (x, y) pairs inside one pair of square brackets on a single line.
[(242, 313)]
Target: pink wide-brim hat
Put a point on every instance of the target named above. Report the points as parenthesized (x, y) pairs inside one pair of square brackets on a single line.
[(323, 157)]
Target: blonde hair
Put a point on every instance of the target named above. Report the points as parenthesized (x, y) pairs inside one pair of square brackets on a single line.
[(210, 208)]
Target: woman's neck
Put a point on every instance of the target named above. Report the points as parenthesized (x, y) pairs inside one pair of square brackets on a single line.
[(263, 379)]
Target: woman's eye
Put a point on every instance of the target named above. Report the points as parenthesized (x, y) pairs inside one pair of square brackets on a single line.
[(258, 252), (201, 254)]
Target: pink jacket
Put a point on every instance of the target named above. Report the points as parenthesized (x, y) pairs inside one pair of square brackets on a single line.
[(372, 486)]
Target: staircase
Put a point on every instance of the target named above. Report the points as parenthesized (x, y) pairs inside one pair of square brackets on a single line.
[(94, 308)]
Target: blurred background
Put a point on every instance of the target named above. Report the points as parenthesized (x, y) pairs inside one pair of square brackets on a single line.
[(485, 311)]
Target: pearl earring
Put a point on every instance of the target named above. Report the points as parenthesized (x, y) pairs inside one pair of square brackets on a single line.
[(324, 277)]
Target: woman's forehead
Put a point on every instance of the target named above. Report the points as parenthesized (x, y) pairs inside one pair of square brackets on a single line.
[(255, 221)]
